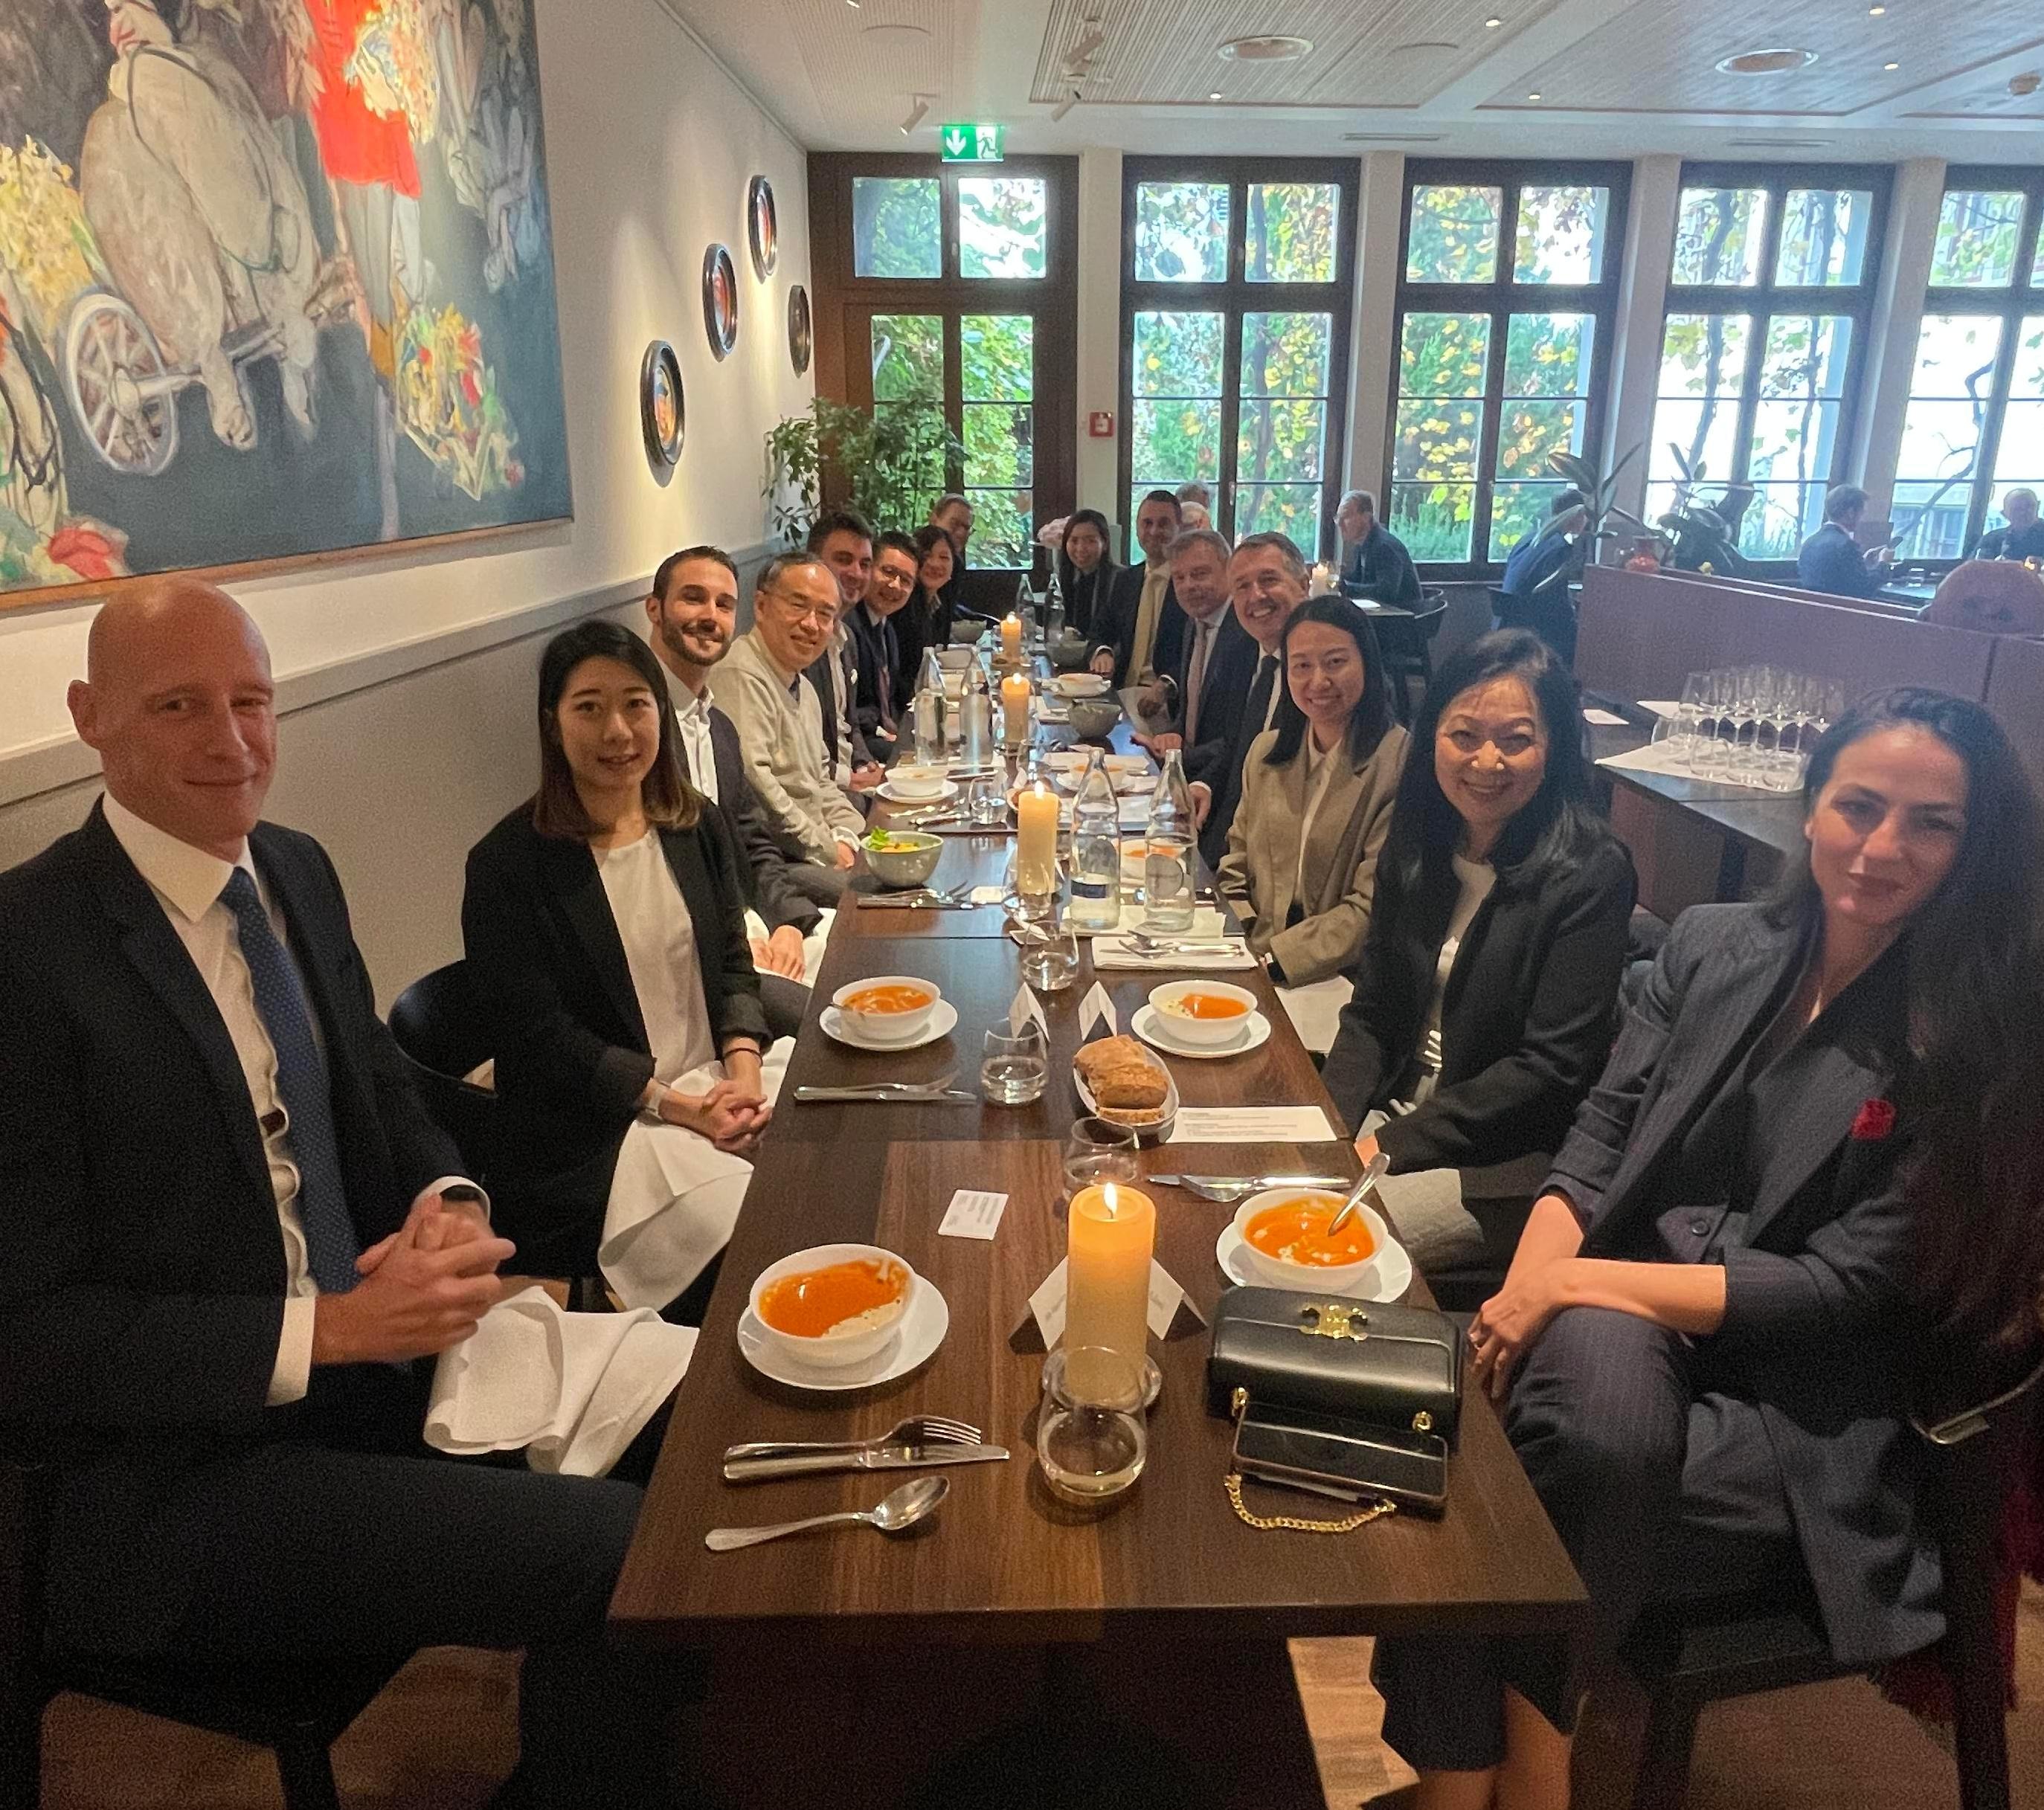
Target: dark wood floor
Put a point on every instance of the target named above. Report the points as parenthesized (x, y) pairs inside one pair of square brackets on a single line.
[(441, 1739)]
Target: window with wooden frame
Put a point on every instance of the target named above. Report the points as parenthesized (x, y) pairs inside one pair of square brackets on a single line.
[(953, 288), (1236, 288), (1975, 425), (1769, 302), (1508, 287)]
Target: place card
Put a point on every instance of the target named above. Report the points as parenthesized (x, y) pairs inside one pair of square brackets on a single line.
[(1170, 1313), (988, 895), (1252, 1125), (1603, 719), (1025, 1007), (1096, 1012), (973, 1214)]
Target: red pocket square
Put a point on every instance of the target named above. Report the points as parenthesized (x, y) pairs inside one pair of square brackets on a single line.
[(1876, 1119)]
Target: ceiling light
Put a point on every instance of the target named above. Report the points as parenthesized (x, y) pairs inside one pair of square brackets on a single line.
[(1765, 62), (1492, 25), (1392, 137), (1094, 38), (1422, 44), (1215, 95), (1273, 48), (1535, 97), (1890, 66), (1875, 12), (1065, 106), (921, 106)]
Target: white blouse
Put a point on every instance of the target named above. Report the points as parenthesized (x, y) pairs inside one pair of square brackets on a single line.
[(1477, 878), (660, 940)]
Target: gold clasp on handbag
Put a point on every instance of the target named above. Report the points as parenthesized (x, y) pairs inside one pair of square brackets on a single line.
[(1323, 1320)]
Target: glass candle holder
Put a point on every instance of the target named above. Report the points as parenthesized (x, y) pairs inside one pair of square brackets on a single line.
[(1097, 1151), (1091, 1441)]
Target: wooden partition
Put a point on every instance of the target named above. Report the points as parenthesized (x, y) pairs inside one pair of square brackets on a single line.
[(1640, 634), (2015, 695)]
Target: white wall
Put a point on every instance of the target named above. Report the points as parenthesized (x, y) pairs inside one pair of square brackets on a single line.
[(650, 147)]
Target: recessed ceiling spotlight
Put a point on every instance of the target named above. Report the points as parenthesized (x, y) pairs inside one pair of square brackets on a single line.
[(1765, 62), (1215, 95), (1890, 66), (1877, 12), (1272, 49), (1533, 97), (1492, 25)]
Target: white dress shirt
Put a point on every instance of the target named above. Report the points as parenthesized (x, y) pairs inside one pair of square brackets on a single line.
[(693, 719), (188, 883)]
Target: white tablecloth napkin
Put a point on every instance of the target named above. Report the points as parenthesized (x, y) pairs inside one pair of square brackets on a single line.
[(1314, 1010), (571, 1390)]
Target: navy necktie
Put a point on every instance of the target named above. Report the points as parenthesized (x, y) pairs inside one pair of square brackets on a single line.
[(331, 1244)]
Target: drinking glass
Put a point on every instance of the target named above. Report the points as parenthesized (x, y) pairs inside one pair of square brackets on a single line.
[(1097, 1151), (1050, 955), (1717, 732), (1015, 1065), (1689, 713), (1090, 1439), (987, 802)]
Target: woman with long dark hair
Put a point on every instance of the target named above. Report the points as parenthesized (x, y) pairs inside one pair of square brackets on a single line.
[(929, 614), (1485, 992), (1812, 1159), (1317, 793), (604, 924), (1085, 568)]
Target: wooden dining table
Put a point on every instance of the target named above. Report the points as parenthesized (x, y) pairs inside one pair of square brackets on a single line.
[(1161, 1617)]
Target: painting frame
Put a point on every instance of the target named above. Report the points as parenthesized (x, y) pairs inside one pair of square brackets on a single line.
[(720, 301), (326, 411), (666, 430), (763, 228), (802, 330)]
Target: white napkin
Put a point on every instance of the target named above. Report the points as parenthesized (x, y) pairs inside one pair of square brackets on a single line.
[(1112, 954), (1314, 1010), (572, 1389), (1667, 757)]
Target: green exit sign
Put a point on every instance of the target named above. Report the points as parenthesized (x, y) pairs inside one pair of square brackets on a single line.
[(966, 143)]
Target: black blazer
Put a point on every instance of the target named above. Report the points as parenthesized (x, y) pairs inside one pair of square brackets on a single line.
[(1526, 1023), (1378, 567), (826, 673), (1817, 1282), (1085, 593), (572, 1054), (763, 861), (1225, 775), (141, 1265), (1114, 624), (877, 650), (1231, 666)]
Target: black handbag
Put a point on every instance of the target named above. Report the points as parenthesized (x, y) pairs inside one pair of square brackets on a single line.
[(1343, 1398)]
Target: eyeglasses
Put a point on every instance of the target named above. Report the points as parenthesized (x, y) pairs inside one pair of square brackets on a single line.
[(824, 614)]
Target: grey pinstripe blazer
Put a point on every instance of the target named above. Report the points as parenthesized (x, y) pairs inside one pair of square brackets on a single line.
[(1820, 1309)]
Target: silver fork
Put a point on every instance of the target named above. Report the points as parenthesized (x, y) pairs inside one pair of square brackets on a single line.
[(917, 1429), (1144, 944), (1227, 1189)]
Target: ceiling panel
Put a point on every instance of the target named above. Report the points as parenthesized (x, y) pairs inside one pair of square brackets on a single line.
[(1394, 53), (869, 61), (1659, 57)]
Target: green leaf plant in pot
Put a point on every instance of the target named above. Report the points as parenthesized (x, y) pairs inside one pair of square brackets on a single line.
[(1704, 536), (889, 464), (1592, 525)]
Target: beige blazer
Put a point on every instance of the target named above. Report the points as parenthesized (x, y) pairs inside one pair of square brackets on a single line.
[(1260, 872)]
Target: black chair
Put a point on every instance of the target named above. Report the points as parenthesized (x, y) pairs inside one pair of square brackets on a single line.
[(1692, 1653), (1407, 646), (298, 1712), (438, 1027)]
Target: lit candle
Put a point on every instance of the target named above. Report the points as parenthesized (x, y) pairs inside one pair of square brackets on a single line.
[(1011, 636), (1036, 840), (1110, 1233), (1015, 708)]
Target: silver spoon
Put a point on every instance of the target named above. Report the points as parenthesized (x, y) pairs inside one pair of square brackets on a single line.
[(895, 1513), (1379, 1167)]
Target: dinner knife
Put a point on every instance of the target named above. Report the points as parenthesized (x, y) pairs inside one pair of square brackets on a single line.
[(886, 1458), (883, 1095), (1253, 1181)]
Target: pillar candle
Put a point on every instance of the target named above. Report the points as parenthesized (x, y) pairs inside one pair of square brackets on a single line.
[(1110, 1233), (1015, 709), (1036, 840), (1011, 636)]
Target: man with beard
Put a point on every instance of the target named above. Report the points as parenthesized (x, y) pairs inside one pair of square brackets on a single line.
[(693, 610)]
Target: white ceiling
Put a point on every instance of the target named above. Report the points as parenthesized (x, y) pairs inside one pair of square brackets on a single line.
[(1615, 78)]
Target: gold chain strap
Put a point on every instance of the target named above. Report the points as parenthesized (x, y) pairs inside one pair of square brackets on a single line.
[(1268, 1523)]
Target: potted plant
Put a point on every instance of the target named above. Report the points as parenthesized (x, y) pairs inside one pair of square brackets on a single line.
[(889, 464)]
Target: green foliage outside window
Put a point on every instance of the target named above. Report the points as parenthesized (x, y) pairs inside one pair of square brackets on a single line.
[(1719, 237), (1453, 237), (1289, 233), (1182, 232), (878, 461), (1002, 230), (998, 386), (896, 229), (1977, 230)]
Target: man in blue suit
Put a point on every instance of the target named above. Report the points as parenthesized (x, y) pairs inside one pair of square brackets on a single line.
[(1831, 560)]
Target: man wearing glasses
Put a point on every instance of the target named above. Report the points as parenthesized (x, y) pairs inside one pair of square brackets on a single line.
[(778, 715)]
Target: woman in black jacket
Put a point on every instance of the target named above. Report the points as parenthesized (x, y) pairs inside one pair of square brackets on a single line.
[(1805, 1185), (605, 925), (1086, 568), (1485, 992)]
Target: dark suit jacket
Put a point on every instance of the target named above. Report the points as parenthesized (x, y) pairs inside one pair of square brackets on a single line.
[(1378, 567), (1114, 624), (1817, 1280), (141, 1265), (826, 673), (1831, 560), (1226, 777), (1085, 594), (1526, 1023), (1231, 666), (876, 649), (762, 861), (573, 1057)]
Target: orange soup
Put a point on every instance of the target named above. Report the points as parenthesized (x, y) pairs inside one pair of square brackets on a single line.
[(1207, 1005), (1296, 1231), (888, 999), (808, 1304)]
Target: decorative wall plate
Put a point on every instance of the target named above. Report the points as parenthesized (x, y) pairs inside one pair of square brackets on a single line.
[(763, 225), (720, 281), (802, 338), (662, 414)]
